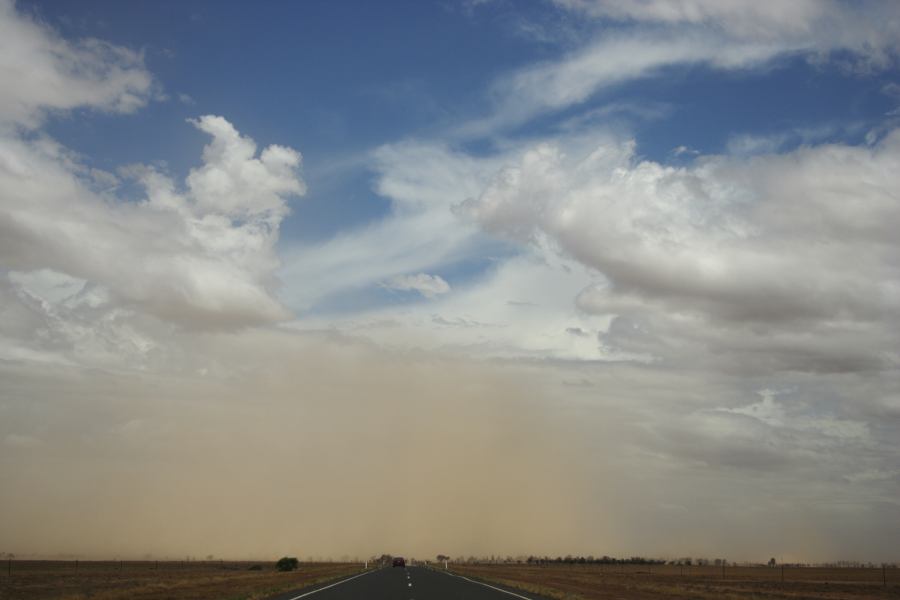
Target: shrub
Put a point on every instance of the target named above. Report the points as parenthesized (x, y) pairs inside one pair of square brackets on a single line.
[(287, 563)]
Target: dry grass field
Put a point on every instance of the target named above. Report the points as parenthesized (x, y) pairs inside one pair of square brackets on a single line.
[(638, 582), (147, 580)]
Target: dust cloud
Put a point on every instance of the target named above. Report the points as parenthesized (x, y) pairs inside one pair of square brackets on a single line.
[(272, 443)]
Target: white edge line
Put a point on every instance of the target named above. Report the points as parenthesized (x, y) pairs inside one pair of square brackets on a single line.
[(331, 586), (485, 585)]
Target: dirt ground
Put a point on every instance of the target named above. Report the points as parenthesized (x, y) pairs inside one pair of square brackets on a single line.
[(640, 582), (149, 580)]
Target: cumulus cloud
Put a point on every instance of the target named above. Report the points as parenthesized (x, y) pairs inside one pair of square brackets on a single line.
[(41, 72), (795, 246), (235, 183), (199, 257), (196, 255), (427, 285)]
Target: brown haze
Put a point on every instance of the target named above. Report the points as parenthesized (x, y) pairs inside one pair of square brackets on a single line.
[(267, 442), (324, 450)]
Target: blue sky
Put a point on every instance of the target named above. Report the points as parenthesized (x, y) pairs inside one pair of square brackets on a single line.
[(338, 80), (663, 231)]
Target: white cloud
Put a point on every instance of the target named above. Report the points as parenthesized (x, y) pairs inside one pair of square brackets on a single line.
[(681, 150), (757, 18), (235, 183), (92, 279), (522, 308), (724, 253), (41, 72), (749, 144), (653, 36), (429, 286), (552, 86), (202, 257), (423, 182)]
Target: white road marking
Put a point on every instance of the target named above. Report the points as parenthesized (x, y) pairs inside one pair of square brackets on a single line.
[(486, 585), (329, 586)]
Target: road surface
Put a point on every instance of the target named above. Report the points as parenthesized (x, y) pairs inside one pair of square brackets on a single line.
[(409, 583)]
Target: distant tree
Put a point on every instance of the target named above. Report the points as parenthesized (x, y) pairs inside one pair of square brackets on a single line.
[(287, 563), (772, 562)]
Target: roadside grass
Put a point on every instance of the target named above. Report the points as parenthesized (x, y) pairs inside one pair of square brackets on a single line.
[(45, 580), (278, 589), (564, 582)]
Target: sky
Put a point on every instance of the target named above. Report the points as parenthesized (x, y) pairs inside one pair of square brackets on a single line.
[(463, 277)]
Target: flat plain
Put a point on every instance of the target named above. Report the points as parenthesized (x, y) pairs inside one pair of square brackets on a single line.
[(640, 582), (151, 580)]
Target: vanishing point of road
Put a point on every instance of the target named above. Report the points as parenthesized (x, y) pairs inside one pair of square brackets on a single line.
[(409, 583)]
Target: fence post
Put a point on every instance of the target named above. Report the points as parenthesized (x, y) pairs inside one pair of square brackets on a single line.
[(9, 566), (782, 573), (884, 574)]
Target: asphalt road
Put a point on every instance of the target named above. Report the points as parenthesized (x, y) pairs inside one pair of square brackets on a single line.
[(410, 583)]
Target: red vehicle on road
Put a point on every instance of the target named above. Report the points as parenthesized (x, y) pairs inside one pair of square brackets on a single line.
[(399, 562)]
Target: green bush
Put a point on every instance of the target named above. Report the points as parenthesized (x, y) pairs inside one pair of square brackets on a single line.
[(287, 563)]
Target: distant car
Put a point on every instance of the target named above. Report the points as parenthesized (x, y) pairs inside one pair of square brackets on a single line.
[(399, 562)]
